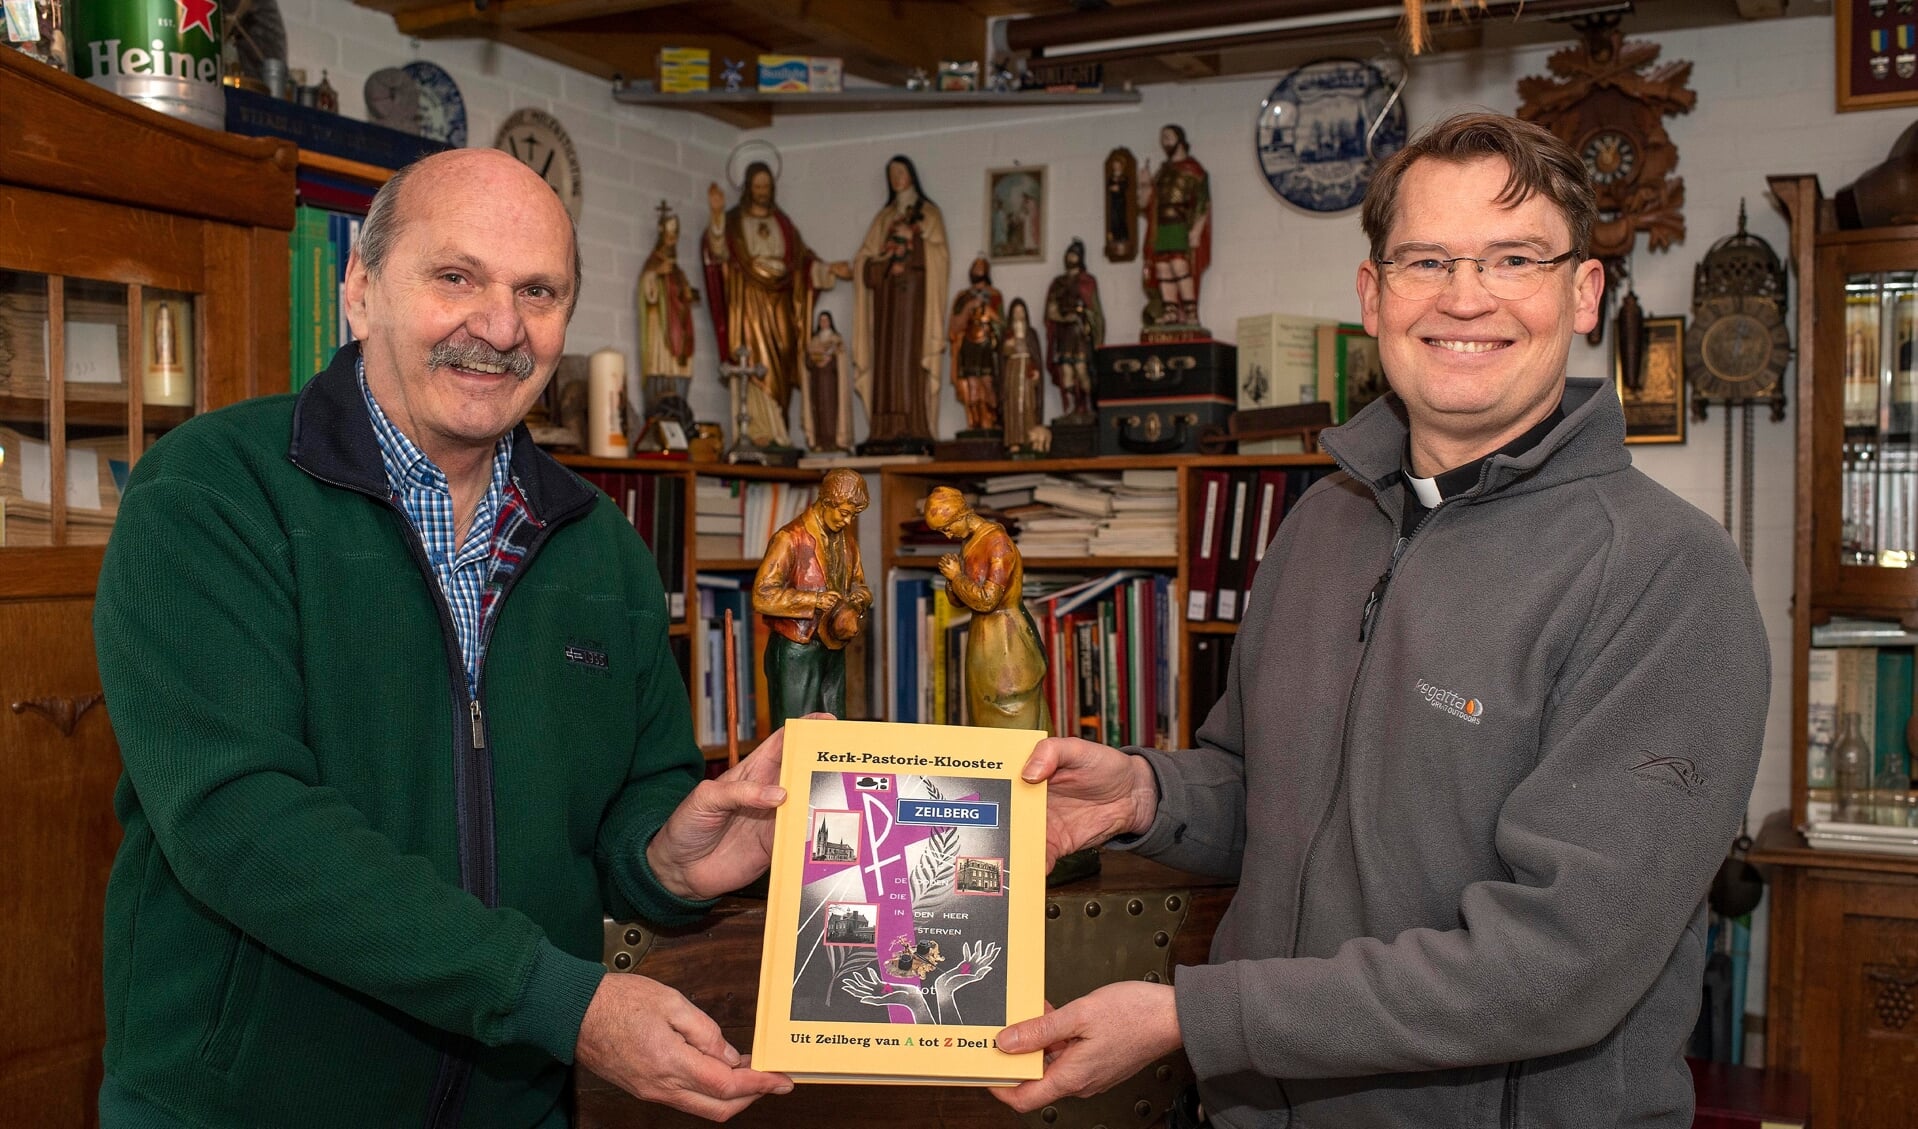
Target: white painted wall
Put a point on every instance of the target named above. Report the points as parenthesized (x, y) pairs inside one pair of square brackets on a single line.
[(1765, 105), (631, 157)]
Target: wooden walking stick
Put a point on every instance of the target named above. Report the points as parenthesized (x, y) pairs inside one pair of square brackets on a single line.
[(732, 694)]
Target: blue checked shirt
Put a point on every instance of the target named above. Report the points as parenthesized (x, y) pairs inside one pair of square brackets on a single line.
[(465, 572)]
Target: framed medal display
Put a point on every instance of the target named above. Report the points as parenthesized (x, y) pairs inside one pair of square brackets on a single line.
[(1877, 53)]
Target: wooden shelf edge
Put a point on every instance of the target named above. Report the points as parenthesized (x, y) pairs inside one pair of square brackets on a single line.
[(340, 166), (1105, 463), (869, 98), (1048, 564)]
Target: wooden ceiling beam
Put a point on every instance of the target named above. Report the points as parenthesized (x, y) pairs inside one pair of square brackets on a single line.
[(614, 53), (878, 41), (463, 17)]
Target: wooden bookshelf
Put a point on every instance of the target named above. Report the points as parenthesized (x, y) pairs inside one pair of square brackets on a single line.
[(687, 625)]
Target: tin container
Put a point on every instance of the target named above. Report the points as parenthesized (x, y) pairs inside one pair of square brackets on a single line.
[(164, 54)]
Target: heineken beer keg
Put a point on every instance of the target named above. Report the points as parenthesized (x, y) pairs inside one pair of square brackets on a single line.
[(159, 53)]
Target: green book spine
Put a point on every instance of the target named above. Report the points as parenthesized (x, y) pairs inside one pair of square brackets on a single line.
[(319, 284), (1891, 767), (296, 304)]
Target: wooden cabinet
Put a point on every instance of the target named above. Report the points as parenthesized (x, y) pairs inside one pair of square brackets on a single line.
[(1844, 925), (902, 489), (142, 278), (1843, 1002)]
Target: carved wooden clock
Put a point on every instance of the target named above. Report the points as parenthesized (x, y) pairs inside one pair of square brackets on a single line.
[(1609, 103)]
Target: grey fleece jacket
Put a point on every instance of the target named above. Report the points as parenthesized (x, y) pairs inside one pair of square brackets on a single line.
[(1472, 850)]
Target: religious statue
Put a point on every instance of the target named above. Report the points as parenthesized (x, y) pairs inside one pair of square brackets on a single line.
[(1022, 397), (1121, 206), (811, 589), (899, 278), (1177, 201), (761, 279), (974, 329), (666, 298), (1005, 664), (1075, 326), (826, 403)]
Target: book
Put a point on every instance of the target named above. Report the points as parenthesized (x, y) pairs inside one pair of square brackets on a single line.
[(1235, 549), (1891, 760), (1821, 715), (1278, 363), (905, 920), (1203, 543), (1351, 375), (1268, 506)]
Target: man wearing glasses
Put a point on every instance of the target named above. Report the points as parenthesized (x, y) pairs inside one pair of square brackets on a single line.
[(1492, 718)]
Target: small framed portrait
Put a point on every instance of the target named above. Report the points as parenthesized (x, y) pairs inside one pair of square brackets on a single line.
[(1016, 214), (672, 437), (835, 837), (1655, 408)]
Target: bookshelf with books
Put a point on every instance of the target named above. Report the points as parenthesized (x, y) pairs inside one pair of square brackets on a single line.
[(708, 524), (331, 197), (1843, 918), (1111, 548)]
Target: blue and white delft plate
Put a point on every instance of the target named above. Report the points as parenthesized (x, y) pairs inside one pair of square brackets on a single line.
[(1324, 128), (442, 110)]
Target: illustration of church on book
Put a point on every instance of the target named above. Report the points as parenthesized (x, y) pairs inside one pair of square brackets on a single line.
[(826, 849)]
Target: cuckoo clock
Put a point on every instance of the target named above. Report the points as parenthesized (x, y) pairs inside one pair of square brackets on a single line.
[(1609, 101)]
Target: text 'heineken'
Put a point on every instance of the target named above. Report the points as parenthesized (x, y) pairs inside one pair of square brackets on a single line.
[(160, 53)]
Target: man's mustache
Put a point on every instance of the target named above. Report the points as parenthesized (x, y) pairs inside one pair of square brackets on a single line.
[(519, 362)]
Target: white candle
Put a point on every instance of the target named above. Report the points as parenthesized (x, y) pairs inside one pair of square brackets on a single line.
[(605, 422)]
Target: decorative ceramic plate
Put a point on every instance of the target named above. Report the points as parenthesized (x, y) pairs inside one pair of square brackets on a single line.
[(442, 110), (1324, 128)]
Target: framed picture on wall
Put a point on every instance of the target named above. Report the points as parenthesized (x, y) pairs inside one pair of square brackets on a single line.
[(1016, 214), (1877, 54), (1655, 410)]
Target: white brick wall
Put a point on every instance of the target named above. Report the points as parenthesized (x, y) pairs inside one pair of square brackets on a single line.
[(631, 157), (1765, 98)]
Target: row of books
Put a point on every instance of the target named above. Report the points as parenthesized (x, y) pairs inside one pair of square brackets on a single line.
[(1111, 643), (1876, 683), (1879, 494), (1235, 516), (656, 505), (735, 518), (717, 595), (1133, 513), (317, 253)]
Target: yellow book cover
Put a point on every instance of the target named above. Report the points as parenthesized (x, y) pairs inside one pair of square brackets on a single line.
[(905, 920)]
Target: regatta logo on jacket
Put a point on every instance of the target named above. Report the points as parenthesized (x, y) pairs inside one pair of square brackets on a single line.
[(1447, 701), (1674, 772)]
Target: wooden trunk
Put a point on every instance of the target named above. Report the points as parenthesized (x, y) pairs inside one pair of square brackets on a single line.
[(1134, 920)]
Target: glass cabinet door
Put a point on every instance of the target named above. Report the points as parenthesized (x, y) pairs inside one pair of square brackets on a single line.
[(91, 372), (1879, 458)]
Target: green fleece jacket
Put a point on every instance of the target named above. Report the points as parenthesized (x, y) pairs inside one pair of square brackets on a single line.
[(349, 894)]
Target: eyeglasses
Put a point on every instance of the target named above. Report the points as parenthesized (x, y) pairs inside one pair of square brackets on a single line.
[(1510, 274)]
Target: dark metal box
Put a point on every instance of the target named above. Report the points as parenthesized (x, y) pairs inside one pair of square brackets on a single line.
[(1156, 399)]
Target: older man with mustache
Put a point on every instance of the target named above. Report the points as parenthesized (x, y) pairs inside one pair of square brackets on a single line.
[(400, 723)]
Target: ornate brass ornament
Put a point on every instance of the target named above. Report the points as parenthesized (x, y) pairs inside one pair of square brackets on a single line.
[(1609, 104)]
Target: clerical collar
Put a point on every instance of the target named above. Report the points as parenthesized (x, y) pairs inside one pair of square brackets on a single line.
[(1423, 494)]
